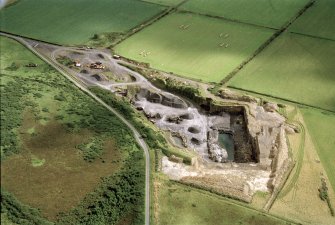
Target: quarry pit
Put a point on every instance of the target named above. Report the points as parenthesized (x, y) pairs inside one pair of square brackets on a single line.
[(241, 146), (239, 143)]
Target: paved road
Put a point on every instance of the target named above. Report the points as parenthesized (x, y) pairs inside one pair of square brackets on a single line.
[(137, 135)]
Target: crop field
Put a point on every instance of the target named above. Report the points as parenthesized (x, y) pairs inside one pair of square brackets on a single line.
[(74, 22), (318, 20), (293, 67), (194, 46), (56, 142), (322, 126), (277, 13), (165, 2), (182, 205)]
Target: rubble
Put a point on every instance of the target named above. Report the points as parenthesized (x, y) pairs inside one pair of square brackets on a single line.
[(271, 107), (216, 153), (228, 94)]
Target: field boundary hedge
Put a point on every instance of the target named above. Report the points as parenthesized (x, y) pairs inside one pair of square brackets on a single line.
[(236, 202), (282, 99), (268, 42), (245, 199), (148, 22), (312, 36), (34, 39), (225, 18)]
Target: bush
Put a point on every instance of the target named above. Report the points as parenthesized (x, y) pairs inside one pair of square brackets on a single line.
[(13, 67), (64, 60), (44, 109), (59, 117), (92, 149), (11, 94), (323, 194), (19, 213), (60, 97), (38, 95)]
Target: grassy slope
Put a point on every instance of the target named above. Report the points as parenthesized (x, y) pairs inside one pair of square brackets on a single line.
[(322, 126), (64, 178), (299, 198), (318, 20), (194, 52), (276, 12), (73, 22), (181, 205), (294, 67)]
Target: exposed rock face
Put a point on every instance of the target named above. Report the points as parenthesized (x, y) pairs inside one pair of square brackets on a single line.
[(220, 122), (175, 159), (291, 129), (258, 133), (164, 99), (216, 153), (228, 94), (174, 119), (270, 107), (99, 77)]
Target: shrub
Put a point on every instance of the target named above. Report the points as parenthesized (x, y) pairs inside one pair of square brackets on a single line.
[(13, 67)]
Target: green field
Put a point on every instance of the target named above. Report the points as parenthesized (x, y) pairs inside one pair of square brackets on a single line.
[(318, 20), (57, 143), (194, 51), (181, 205), (265, 13), (74, 22), (165, 2), (321, 127), (293, 67)]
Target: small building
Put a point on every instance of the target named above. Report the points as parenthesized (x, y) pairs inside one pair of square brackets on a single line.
[(77, 64)]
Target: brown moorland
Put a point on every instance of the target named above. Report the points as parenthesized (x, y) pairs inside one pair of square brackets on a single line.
[(62, 177)]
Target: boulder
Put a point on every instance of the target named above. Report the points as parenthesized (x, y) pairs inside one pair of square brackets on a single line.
[(271, 107)]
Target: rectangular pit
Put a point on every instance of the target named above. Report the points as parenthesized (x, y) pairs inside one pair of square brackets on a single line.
[(245, 147)]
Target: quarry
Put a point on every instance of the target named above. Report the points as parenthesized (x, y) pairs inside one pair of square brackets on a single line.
[(177, 112), (238, 142), (241, 147)]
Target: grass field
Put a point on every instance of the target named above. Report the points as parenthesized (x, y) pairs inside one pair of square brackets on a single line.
[(164, 2), (322, 126), (294, 67), (44, 121), (74, 22), (194, 51), (318, 20), (181, 205), (272, 14)]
